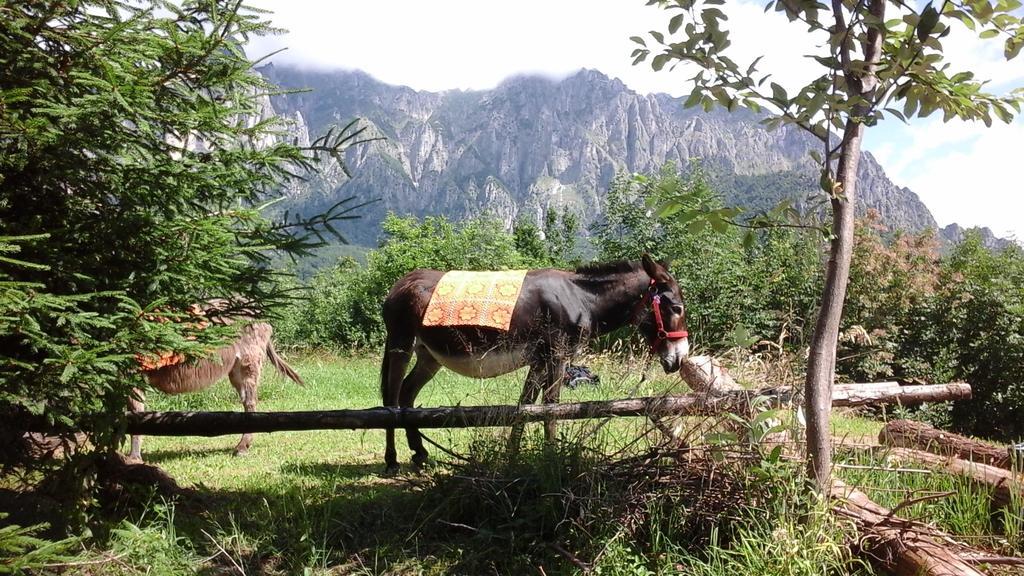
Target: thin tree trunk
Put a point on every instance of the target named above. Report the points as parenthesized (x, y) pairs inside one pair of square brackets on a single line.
[(822, 358), (821, 361)]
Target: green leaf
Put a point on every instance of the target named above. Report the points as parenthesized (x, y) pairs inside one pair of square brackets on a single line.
[(748, 239), (694, 98), (929, 18), (675, 23), (696, 226), (753, 65), (779, 94), (1013, 46), (897, 114), (669, 208)]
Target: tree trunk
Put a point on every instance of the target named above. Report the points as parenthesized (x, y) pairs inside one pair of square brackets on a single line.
[(821, 362)]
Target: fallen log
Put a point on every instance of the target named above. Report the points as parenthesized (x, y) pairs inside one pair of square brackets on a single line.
[(864, 395), (902, 547), (222, 423), (1002, 482), (921, 436), (706, 374)]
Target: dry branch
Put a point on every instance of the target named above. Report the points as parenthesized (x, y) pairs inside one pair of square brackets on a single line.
[(221, 423), (921, 436), (1002, 482), (902, 547)]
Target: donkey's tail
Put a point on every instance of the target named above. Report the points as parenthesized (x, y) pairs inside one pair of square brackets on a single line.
[(282, 366)]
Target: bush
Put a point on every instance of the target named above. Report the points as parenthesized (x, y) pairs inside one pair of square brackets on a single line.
[(914, 318), (977, 320), (892, 278)]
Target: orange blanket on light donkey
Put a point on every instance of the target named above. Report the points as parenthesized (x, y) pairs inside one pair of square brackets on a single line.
[(485, 299)]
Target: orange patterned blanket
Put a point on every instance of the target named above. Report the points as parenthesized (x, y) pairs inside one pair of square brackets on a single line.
[(475, 299)]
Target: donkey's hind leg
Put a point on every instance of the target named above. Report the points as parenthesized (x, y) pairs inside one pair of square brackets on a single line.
[(531, 389), (397, 353), (136, 403), (554, 376), (424, 369), (245, 377)]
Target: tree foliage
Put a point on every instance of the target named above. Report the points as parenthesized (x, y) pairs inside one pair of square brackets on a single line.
[(871, 62), (914, 80), (135, 160)]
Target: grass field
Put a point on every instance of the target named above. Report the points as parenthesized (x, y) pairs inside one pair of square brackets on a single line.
[(316, 503)]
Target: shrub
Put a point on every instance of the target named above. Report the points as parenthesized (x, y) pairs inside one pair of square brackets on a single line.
[(892, 276), (977, 319)]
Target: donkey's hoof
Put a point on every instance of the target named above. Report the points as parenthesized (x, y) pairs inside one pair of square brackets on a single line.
[(390, 470), (133, 459), (420, 461), (240, 452)]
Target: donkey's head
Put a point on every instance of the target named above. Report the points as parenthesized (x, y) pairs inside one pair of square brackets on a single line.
[(664, 318)]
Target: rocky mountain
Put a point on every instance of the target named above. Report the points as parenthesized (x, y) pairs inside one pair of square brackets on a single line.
[(954, 233), (532, 143)]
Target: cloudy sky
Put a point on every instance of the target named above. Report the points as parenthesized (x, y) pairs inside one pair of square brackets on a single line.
[(965, 173)]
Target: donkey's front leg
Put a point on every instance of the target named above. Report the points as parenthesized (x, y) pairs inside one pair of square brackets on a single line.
[(136, 403)]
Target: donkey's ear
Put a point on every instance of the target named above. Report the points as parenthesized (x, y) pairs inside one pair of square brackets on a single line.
[(653, 269)]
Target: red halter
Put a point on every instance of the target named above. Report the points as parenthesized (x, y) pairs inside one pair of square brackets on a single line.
[(659, 324)]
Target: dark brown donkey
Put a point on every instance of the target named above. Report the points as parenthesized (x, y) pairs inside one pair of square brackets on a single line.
[(556, 314)]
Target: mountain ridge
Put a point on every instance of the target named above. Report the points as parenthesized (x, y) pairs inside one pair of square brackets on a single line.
[(534, 142)]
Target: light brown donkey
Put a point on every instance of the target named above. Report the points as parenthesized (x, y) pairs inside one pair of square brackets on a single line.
[(241, 362)]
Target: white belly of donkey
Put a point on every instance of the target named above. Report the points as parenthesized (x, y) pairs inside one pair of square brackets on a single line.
[(486, 365)]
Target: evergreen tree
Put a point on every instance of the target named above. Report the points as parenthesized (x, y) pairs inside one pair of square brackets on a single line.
[(136, 162)]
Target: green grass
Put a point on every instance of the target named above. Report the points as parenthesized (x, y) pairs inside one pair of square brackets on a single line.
[(953, 503)]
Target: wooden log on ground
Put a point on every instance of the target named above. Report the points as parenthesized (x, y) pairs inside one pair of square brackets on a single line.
[(859, 395), (903, 547), (706, 374), (222, 423), (921, 436), (863, 386), (1002, 482)]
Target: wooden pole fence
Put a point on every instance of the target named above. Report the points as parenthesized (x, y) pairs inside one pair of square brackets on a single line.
[(224, 423)]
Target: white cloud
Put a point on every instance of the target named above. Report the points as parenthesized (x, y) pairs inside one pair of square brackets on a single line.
[(475, 45), (965, 173)]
